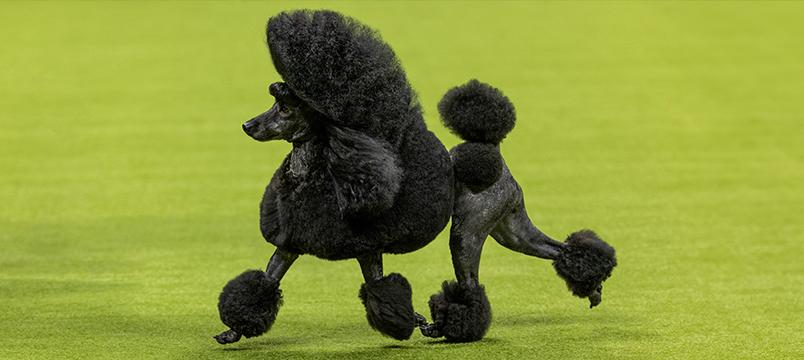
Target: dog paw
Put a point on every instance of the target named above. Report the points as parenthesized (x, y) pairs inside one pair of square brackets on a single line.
[(428, 330), (596, 297), (227, 337)]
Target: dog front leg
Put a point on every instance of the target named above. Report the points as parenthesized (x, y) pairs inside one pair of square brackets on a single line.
[(250, 302), (387, 299), (279, 264)]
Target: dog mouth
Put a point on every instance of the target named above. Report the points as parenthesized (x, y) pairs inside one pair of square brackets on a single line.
[(291, 132), (259, 132), (250, 127)]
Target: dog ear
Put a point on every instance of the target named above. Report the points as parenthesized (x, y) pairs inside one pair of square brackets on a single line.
[(365, 171)]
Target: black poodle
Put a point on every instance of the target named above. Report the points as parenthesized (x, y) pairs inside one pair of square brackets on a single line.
[(365, 177)]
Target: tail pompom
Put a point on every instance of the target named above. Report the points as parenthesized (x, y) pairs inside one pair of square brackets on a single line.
[(584, 263), (389, 308), (477, 112), (460, 314), (477, 165), (249, 303)]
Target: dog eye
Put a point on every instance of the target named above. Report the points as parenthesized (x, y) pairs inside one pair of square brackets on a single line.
[(284, 110)]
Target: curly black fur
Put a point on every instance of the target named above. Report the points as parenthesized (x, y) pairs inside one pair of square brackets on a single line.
[(375, 180), (477, 165), (481, 115), (365, 171), (365, 176), (249, 303), (477, 112), (389, 308), (461, 314), (585, 262), (342, 68)]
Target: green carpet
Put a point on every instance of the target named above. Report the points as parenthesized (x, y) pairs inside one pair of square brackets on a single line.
[(128, 192)]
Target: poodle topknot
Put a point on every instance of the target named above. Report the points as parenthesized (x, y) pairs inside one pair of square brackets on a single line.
[(341, 68)]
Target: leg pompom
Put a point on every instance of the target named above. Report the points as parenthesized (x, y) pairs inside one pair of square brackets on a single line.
[(249, 303), (584, 263), (389, 308), (460, 314)]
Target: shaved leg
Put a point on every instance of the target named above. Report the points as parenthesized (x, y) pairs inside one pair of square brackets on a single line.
[(371, 266), (279, 264), (466, 250), (515, 231), (474, 216)]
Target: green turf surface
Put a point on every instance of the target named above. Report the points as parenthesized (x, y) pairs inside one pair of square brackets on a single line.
[(129, 193)]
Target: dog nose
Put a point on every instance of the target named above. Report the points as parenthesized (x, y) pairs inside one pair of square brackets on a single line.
[(248, 126)]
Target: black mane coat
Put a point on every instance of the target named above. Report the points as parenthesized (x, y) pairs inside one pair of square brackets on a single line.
[(373, 178)]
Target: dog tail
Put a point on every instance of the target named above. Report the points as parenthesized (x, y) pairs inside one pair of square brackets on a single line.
[(482, 116)]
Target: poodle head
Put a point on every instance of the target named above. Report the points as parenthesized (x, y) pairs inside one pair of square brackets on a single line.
[(343, 69), (290, 118)]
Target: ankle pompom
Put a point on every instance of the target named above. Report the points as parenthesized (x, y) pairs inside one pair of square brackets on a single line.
[(584, 263), (249, 303), (460, 314), (389, 306)]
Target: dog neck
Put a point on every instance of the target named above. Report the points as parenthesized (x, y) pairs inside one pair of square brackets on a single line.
[(299, 158)]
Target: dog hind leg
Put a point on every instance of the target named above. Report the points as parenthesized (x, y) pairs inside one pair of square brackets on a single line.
[(461, 311), (584, 261), (515, 231)]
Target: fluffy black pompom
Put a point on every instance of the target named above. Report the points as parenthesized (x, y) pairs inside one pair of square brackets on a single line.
[(584, 263), (477, 112), (249, 303), (389, 308), (365, 172), (478, 165), (461, 314)]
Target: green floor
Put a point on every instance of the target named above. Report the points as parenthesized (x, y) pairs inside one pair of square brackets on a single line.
[(129, 193)]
